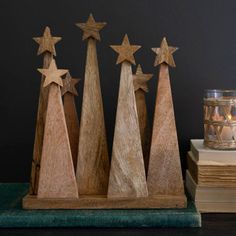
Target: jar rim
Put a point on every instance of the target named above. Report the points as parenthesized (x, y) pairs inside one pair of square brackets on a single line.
[(220, 90)]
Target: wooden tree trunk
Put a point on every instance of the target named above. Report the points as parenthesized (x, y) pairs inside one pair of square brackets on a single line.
[(164, 173), (143, 125), (93, 161), (72, 123), (57, 176), (39, 132), (127, 174)]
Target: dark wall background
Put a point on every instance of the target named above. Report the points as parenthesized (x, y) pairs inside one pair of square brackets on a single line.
[(203, 30)]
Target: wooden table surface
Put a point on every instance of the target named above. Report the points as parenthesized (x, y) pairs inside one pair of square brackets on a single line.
[(212, 225)]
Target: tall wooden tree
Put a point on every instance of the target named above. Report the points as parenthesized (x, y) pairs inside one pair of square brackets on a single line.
[(140, 87), (127, 174), (47, 48), (57, 176), (164, 173), (93, 161), (69, 92)]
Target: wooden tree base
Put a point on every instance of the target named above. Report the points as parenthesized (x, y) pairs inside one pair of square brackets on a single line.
[(102, 202)]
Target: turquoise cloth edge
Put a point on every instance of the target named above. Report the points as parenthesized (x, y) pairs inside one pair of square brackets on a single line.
[(12, 214)]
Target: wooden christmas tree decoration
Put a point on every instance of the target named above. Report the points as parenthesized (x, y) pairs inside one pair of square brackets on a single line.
[(93, 161), (164, 173), (69, 92), (140, 87), (127, 174), (47, 48), (93, 186), (57, 177)]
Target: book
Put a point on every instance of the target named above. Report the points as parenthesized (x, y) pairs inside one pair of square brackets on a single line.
[(203, 153), (211, 199), (203, 193), (209, 173), (12, 214)]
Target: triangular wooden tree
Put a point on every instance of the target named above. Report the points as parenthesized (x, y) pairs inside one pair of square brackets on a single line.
[(93, 161), (140, 88), (47, 48), (69, 92), (127, 174), (164, 173), (57, 176)]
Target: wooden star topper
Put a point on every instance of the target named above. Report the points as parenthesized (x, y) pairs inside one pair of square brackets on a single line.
[(164, 54), (69, 84), (47, 42), (140, 79), (125, 51), (91, 28), (52, 74)]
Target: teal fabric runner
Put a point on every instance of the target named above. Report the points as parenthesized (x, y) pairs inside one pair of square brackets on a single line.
[(12, 214)]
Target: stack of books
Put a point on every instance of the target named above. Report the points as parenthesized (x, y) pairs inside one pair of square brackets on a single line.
[(211, 178)]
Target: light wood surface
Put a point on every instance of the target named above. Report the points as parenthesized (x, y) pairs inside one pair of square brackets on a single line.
[(127, 174), (69, 92), (93, 161), (125, 51), (140, 87), (47, 42), (47, 48), (164, 54), (57, 177), (39, 131), (164, 173), (101, 202), (91, 28)]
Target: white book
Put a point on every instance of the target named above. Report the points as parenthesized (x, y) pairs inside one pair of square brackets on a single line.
[(203, 153), (210, 207), (205, 162), (209, 194)]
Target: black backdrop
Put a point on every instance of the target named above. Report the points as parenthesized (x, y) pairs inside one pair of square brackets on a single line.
[(203, 30)]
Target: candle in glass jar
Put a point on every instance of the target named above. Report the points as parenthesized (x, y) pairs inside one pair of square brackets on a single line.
[(226, 133)]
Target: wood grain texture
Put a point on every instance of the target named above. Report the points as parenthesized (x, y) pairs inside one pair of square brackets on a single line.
[(57, 176), (127, 174), (164, 173), (47, 42), (91, 28), (39, 131), (164, 54), (69, 85), (140, 87), (125, 51), (72, 123), (69, 92), (102, 202), (93, 161), (47, 48)]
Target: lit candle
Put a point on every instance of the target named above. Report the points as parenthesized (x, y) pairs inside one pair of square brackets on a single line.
[(226, 133)]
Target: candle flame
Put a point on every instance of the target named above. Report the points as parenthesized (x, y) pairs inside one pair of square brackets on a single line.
[(229, 117), (217, 117)]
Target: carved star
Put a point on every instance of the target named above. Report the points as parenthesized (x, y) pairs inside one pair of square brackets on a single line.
[(164, 54), (125, 51), (91, 28), (47, 42), (52, 74), (140, 79), (69, 84)]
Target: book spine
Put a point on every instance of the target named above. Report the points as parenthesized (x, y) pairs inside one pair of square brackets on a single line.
[(192, 168), (104, 219)]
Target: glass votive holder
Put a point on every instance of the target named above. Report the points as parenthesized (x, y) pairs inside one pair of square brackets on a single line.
[(220, 119)]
